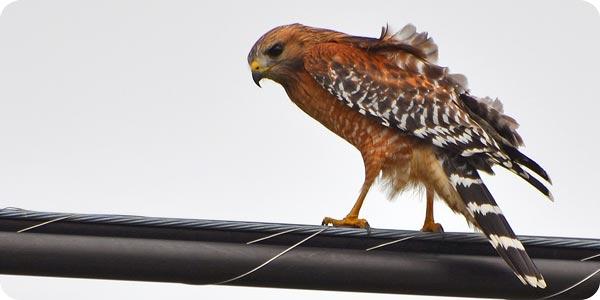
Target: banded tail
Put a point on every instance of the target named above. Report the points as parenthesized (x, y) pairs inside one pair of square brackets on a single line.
[(489, 114), (482, 206), (512, 160), (525, 161), (519, 159)]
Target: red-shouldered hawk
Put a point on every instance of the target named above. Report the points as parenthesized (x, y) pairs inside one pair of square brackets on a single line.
[(412, 121)]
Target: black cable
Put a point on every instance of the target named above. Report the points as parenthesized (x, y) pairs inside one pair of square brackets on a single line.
[(286, 255)]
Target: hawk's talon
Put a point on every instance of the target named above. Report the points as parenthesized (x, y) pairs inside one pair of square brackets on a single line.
[(368, 228), (432, 227), (347, 222)]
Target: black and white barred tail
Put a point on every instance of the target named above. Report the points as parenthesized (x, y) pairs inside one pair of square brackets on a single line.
[(482, 206), (489, 114), (512, 160)]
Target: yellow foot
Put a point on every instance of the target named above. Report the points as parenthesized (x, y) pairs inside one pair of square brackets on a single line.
[(432, 227), (346, 222)]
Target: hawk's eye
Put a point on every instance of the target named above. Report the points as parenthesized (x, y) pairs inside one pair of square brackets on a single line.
[(275, 50)]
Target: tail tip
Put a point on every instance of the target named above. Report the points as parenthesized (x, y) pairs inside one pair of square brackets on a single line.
[(550, 196), (542, 283), (534, 281)]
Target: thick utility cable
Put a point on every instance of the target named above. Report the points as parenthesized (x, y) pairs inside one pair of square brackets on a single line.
[(287, 256)]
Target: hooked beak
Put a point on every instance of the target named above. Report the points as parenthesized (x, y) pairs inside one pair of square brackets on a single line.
[(257, 76), (257, 71)]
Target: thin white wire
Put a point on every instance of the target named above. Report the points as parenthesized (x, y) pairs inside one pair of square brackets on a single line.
[(271, 259), (45, 223), (271, 236), (573, 286), (588, 258), (250, 242), (390, 243)]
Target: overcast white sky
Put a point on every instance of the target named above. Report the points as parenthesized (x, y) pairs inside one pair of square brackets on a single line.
[(148, 108)]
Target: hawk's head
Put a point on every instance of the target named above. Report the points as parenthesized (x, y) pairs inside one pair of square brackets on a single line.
[(278, 53)]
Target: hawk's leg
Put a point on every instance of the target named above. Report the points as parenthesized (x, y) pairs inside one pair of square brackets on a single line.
[(430, 225), (372, 169), (351, 220)]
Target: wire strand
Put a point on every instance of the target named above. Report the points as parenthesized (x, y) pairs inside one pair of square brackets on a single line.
[(390, 243), (590, 257), (271, 236), (271, 259), (44, 223), (573, 286)]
